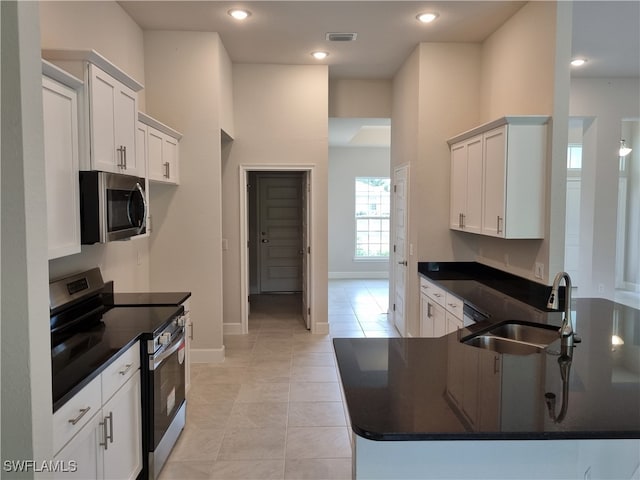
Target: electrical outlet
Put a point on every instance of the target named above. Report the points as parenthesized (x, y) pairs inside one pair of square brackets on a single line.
[(601, 288), (539, 270)]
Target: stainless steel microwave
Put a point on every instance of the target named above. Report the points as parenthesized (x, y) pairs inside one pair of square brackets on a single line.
[(113, 206)]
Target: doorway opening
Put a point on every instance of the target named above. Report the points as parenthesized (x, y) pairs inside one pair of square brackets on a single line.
[(276, 265)]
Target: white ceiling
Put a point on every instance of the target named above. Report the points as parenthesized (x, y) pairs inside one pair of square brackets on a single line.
[(285, 32), (606, 32)]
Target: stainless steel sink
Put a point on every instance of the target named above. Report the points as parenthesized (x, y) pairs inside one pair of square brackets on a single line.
[(541, 335), (515, 338), (503, 345)]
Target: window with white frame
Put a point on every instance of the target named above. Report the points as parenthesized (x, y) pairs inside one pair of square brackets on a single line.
[(373, 207)]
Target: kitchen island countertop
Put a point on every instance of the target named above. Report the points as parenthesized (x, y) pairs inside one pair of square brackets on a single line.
[(419, 388)]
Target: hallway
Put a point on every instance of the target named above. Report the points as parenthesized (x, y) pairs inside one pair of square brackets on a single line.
[(274, 409)]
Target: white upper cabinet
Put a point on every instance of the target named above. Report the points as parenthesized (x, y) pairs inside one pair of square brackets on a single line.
[(466, 185), (60, 122), (163, 155), (113, 118), (110, 112), (498, 178)]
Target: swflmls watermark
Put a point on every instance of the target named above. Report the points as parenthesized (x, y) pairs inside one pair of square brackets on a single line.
[(55, 466)]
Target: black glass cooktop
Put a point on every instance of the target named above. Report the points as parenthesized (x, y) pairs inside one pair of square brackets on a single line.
[(80, 353)]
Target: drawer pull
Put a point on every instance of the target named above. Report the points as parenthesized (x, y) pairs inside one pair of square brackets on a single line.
[(83, 412), (438, 295), (452, 305), (126, 369)]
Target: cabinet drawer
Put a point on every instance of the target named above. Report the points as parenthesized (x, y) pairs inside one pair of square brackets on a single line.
[(74, 414), (434, 292), (454, 305), (121, 370)]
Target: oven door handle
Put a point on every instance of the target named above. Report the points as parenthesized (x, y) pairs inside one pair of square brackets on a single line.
[(156, 360)]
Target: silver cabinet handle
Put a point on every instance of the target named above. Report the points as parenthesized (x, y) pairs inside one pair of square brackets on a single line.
[(463, 220), (452, 305), (429, 309), (120, 151), (498, 229), (191, 334), (438, 295), (83, 412), (127, 367), (403, 262), (166, 169), (460, 220), (124, 151), (106, 436)]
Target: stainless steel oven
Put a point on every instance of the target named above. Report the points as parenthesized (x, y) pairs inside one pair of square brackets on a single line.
[(113, 206), (165, 393)]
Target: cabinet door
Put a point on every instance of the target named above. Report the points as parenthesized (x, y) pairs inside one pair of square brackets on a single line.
[(103, 90), (426, 322), (489, 391), (472, 221), (157, 170), (81, 458), (141, 149), (60, 121), (123, 454), (458, 185), (126, 115), (453, 323), (470, 384), (170, 157), (495, 151), (439, 318)]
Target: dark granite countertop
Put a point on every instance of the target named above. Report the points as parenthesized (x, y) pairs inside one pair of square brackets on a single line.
[(442, 389), (79, 356)]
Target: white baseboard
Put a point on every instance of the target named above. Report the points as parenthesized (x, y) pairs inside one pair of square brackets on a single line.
[(320, 328), (357, 275), (232, 328), (207, 355)]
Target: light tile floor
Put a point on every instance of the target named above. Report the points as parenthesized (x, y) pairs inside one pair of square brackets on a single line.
[(274, 409)]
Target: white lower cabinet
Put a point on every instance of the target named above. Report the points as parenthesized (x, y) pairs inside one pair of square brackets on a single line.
[(108, 441), (440, 312), (123, 455)]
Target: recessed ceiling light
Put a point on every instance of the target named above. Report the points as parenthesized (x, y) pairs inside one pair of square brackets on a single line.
[(319, 55), (427, 17), (578, 62), (239, 14)]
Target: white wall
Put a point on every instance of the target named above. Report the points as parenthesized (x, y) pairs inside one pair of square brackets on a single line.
[(106, 28), (26, 424), (281, 118), (102, 26), (606, 101), (183, 89), (345, 164), (444, 89), (519, 77), (360, 98)]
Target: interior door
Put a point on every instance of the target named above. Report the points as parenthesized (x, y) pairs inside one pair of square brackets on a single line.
[(400, 181), (280, 233), (306, 304)]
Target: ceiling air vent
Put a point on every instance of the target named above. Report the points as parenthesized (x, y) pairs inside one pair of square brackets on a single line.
[(341, 37)]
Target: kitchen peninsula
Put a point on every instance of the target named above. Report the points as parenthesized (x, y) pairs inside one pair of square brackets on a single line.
[(439, 408)]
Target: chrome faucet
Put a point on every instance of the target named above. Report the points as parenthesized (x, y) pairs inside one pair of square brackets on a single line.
[(566, 330)]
